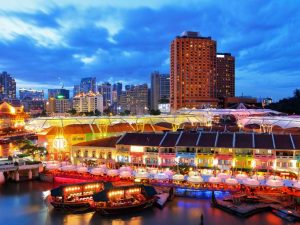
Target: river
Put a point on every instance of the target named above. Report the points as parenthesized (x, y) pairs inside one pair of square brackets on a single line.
[(24, 203)]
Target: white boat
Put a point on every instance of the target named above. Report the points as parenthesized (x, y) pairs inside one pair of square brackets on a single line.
[(162, 199)]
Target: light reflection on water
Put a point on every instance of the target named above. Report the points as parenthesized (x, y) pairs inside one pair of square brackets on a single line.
[(23, 203)]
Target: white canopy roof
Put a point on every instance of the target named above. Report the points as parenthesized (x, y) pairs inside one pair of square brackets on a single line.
[(161, 176), (193, 173), (53, 166), (82, 169), (231, 181), (223, 175), (251, 182), (241, 177), (125, 168), (297, 185), (141, 174), (195, 179), (178, 177), (125, 174), (258, 177), (281, 121), (274, 183), (68, 168), (153, 171), (214, 180), (272, 177), (98, 171), (112, 172), (169, 172)]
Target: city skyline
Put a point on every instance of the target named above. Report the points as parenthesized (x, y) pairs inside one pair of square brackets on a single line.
[(124, 42)]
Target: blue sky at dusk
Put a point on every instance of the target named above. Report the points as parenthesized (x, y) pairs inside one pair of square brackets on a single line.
[(44, 43)]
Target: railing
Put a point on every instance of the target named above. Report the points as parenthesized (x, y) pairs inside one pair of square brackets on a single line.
[(29, 167), (284, 157), (8, 167)]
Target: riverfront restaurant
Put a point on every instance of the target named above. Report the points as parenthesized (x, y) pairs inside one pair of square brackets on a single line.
[(222, 150), (12, 117), (59, 140)]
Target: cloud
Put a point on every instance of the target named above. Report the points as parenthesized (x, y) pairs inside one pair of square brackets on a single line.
[(42, 41)]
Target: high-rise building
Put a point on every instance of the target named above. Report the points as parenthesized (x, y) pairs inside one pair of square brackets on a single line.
[(106, 90), (88, 84), (62, 105), (160, 89), (135, 100), (76, 90), (89, 102), (31, 94), (192, 66), (58, 105), (116, 93), (117, 87), (59, 93), (33, 105), (225, 75), (7, 86), (128, 87)]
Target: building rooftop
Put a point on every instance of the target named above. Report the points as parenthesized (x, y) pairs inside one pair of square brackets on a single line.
[(109, 142), (141, 139), (214, 139)]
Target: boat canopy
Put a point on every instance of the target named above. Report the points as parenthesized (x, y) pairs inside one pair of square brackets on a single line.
[(149, 190), (101, 196), (56, 192)]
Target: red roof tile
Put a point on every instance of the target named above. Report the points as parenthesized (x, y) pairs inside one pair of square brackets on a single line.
[(244, 140), (282, 141), (109, 142), (207, 139), (170, 140), (225, 140), (188, 139), (263, 141)]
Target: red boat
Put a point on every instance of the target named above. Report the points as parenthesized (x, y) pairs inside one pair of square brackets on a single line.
[(125, 199), (75, 197)]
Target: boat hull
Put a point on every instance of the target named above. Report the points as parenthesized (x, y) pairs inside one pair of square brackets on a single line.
[(125, 209), (76, 206)]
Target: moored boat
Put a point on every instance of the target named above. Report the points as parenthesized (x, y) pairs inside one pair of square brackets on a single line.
[(124, 199), (75, 197)]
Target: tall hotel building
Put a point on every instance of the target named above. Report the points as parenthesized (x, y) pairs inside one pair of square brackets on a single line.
[(225, 75), (193, 65)]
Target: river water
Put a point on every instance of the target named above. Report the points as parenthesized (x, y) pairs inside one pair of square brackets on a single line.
[(24, 204)]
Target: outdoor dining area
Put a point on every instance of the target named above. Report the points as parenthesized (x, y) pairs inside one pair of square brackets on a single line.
[(193, 179)]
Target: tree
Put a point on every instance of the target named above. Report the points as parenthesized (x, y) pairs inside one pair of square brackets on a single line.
[(164, 101), (97, 112), (288, 105), (107, 111), (155, 112), (72, 111), (125, 113)]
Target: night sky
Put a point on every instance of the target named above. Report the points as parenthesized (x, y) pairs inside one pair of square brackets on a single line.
[(46, 43)]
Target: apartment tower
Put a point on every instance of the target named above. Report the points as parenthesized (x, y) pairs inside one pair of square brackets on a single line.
[(193, 68)]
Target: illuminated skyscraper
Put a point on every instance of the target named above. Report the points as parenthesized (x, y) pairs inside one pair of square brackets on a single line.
[(193, 66), (31, 93), (88, 84), (7, 86), (225, 75), (59, 93), (106, 90), (160, 89)]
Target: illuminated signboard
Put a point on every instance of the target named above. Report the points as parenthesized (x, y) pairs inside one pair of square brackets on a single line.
[(60, 143), (136, 149)]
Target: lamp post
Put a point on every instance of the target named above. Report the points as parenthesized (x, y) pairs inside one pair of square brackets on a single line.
[(215, 163), (232, 166)]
